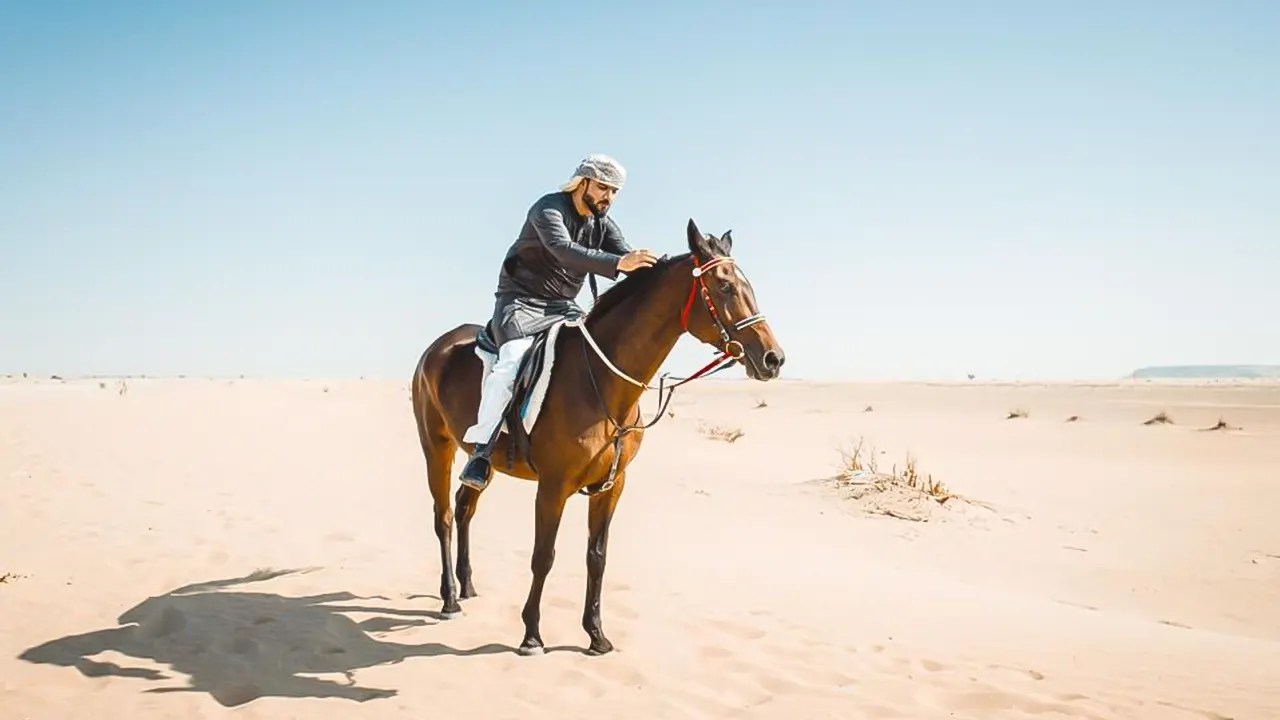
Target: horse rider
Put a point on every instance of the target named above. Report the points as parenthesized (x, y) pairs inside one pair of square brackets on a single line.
[(566, 235)]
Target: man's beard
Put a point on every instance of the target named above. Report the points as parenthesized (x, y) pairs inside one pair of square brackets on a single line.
[(595, 209)]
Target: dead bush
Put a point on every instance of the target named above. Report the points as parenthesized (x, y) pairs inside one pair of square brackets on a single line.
[(904, 492), (725, 434), (1221, 426)]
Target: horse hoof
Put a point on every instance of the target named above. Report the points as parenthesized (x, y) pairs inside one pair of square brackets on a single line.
[(603, 648), (450, 614), (531, 650)]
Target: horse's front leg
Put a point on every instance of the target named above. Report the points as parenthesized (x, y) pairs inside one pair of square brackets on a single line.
[(599, 515), (548, 510)]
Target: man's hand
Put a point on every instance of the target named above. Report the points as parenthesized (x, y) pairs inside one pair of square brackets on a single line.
[(635, 260)]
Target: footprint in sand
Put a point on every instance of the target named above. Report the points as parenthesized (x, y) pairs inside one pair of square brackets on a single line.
[(1020, 672), (583, 683), (235, 694), (621, 674), (1206, 714), (737, 630), (161, 624), (244, 646), (1082, 606), (995, 700), (714, 652), (624, 612)]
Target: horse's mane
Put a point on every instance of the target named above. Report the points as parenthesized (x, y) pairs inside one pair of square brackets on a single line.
[(633, 284)]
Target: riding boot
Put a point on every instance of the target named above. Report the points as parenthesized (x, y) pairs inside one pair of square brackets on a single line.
[(478, 470)]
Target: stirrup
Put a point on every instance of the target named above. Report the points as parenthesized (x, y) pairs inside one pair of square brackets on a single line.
[(476, 472)]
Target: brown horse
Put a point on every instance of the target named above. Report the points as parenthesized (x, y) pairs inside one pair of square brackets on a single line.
[(582, 441)]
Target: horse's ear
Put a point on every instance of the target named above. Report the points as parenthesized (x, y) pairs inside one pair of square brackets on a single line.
[(726, 243), (698, 242)]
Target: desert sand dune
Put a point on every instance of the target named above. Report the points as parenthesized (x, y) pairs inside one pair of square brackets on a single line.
[(253, 549)]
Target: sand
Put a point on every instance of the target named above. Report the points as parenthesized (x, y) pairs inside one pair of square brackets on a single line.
[(253, 549)]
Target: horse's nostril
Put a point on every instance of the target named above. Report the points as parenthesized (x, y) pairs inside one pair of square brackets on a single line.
[(773, 360)]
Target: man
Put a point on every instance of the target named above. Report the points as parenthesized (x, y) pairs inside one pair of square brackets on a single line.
[(566, 236)]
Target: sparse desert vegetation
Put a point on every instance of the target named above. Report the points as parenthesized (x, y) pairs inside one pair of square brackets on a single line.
[(1160, 418), (904, 492), (1221, 426), (1073, 418), (722, 433), (1017, 413)]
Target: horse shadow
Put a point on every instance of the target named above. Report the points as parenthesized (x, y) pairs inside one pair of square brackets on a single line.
[(239, 645)]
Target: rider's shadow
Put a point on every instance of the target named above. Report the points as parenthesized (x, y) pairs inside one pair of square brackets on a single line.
[(239, 646)]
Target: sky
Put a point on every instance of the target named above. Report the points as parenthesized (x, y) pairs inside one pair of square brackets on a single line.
[(920, 190)]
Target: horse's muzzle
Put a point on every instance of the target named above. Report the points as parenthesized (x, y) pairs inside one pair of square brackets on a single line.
[(773, 360)]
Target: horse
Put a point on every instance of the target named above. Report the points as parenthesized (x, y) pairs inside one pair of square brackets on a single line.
[(582, 442)]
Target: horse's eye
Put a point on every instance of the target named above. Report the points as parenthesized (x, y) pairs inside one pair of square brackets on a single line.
[(726, 288)]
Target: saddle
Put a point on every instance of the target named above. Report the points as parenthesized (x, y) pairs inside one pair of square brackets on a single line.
[(527, 394), (530, 385)]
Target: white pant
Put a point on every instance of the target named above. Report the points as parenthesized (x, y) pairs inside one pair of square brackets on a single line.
[(496, 390)]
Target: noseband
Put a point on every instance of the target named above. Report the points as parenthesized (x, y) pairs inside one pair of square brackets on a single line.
[(732, 349)]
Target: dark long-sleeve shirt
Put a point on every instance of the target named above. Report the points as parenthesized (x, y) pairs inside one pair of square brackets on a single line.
[(557, 248)]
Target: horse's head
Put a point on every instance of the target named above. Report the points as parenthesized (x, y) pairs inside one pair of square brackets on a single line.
[(722, 311)]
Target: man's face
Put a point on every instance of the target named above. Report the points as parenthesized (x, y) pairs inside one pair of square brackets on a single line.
[(599, 196)]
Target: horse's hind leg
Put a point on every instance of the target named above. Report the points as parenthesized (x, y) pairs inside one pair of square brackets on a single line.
[(466, 501), (438, 449)]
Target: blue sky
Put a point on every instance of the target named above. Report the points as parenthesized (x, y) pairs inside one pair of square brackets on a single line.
[(917, 190)]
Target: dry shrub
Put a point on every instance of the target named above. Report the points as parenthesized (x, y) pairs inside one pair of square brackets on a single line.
[(761, 404), (912, 478), (1074, 418), (904, 493), (1222, 425), (868, 409), (726, 434), (858, 459), (1160, 418), (1017, 413)]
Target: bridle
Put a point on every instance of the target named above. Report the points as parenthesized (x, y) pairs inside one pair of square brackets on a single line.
[(731, 351), (731, 348)]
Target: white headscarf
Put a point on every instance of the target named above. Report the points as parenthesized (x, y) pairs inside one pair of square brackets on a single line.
[(598, 167)]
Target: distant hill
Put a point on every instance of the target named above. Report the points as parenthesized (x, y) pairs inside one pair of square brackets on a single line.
[(1198, 372)]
